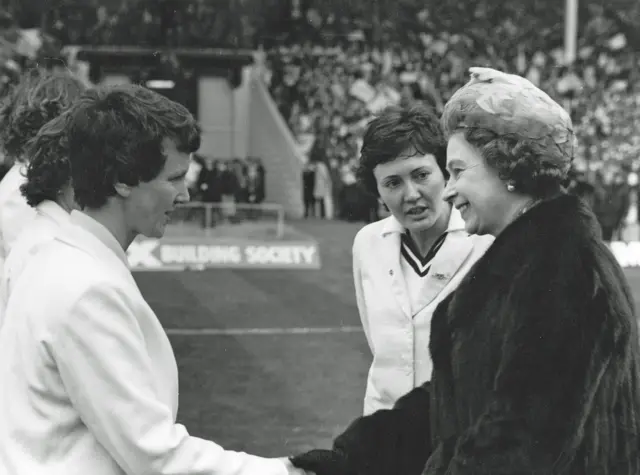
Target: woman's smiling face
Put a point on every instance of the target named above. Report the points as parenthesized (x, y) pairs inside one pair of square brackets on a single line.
[(475, 188)]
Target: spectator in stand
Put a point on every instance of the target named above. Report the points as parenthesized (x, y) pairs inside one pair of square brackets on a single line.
[(308, 185), (255, 183), (210, 190), (228, 189), (337, 188), (239, 169), (262, 176), (612, 200), (255, 188), (208, 181), (322, 190)]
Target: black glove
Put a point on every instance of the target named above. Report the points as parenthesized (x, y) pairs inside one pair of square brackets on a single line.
[(388, 442), (323, 462)]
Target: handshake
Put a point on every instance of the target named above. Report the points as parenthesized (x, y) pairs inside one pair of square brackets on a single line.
[(318, 462)]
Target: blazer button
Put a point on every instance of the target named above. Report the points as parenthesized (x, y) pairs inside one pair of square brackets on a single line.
[(391, 272)]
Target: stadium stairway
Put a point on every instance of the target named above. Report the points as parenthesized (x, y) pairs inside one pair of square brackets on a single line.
[(271, 139)]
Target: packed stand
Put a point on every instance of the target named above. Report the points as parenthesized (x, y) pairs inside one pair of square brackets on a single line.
[(333, 64), (153, 23), (330, 83)]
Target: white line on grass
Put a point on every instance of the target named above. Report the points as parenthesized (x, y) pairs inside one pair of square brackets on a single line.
[(259, 331)]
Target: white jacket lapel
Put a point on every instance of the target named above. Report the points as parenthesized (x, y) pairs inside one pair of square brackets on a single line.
[(390, 254), (103, 247)]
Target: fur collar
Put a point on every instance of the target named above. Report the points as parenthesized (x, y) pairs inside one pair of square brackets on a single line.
[(563, 220), (555, 216)]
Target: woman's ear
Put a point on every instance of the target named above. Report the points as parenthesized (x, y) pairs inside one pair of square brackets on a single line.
[(122, 190)]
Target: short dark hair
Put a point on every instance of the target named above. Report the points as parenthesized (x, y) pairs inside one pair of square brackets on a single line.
[(115, 134), (39, 97), (396, 130), (48, 171)]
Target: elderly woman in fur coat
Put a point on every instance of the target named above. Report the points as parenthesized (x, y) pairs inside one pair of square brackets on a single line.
[(536, 354)]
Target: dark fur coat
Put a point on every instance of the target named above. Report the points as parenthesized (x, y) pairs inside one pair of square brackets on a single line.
[(536, 367)]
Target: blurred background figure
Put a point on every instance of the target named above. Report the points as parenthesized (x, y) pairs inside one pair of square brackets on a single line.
[(39, 97), (322, 193), (612, 200), (229, 189), (255, 185), (308, 189), (209, 190)]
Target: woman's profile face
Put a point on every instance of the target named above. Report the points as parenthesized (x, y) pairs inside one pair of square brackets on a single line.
[(412, 186), (475, 188)]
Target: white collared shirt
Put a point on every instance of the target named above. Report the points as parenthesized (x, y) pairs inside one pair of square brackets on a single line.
[(93, 227), (398, 325), (418, 284)]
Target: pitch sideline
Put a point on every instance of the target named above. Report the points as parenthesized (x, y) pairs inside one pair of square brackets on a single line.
[(261, 331)]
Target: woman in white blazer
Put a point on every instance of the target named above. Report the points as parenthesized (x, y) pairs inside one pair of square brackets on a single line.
[(405, 264), (89, 378), (38, 98), (47, 189)]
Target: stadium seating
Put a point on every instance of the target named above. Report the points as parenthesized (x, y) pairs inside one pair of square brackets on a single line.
[(330, 65)]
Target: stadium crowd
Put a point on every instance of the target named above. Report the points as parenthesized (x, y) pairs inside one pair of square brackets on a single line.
[(331, 66), (329, 90)]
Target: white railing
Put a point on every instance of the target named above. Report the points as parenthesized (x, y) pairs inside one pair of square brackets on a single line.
[(230, 213)]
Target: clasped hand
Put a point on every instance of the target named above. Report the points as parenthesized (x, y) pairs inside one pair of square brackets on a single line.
[(292, 470)]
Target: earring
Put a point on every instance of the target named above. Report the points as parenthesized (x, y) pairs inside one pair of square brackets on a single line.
[(510, 187)]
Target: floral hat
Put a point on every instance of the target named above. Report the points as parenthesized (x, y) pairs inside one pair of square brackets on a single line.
[(510, 105)]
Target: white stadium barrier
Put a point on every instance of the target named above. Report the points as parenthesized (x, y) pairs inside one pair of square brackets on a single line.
[(627, 253), (226, 235)]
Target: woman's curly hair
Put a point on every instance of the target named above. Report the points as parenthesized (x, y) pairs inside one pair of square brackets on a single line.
[(38, 98), (48, 171), (117, 134), (525, 163)]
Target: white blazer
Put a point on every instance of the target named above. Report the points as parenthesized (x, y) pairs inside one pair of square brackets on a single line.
[(49, 217), (15, 213), (89, 378), (398, 341)]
